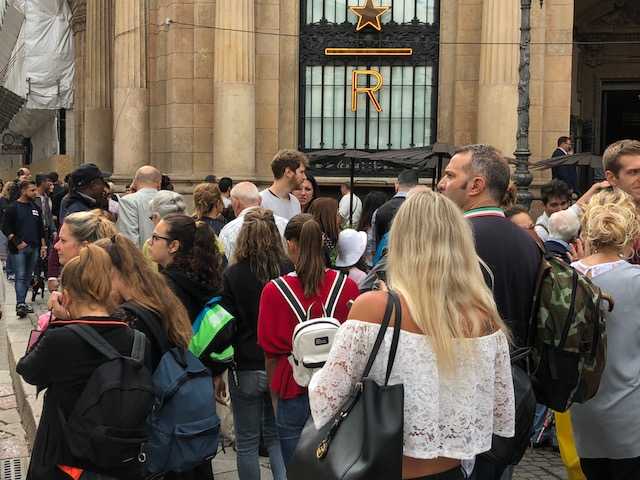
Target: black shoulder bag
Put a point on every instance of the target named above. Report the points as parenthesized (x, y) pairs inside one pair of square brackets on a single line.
[(364, 439)]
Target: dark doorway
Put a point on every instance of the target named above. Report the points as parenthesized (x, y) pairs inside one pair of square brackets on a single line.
[(620, 115)]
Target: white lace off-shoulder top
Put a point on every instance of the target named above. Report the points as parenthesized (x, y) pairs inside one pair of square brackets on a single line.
[(452, 415)]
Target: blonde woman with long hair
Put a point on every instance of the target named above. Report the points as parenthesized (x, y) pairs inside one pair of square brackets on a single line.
[(453, 354), (607, 427)]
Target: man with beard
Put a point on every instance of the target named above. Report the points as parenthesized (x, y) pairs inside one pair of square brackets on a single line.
[(288, 167)]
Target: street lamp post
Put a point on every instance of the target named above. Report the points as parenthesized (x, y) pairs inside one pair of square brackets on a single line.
[(523, 177)]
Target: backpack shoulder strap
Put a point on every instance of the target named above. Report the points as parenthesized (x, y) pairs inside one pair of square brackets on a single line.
[(335, 292), (96, 340), (290, 298), (151, 320)]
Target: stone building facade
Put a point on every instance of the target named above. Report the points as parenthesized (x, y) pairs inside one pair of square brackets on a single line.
[(218, 86)]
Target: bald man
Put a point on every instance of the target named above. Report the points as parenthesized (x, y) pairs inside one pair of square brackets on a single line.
[(134, 211)]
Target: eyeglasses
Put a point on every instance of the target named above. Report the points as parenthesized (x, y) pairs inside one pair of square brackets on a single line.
[(155, 237)]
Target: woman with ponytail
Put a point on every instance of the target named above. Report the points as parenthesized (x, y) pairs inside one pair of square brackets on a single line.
[(207, 200), (62, 362), (311, 283)]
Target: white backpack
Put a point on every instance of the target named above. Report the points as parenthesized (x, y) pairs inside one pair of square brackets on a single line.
[(312, 337)]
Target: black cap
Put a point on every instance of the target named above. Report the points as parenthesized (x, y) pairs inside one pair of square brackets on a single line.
[(85, 174)]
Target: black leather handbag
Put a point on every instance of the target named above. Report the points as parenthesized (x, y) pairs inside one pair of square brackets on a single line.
[(364, 439)]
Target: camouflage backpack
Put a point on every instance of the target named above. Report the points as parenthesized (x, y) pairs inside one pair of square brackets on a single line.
[(567, 336)]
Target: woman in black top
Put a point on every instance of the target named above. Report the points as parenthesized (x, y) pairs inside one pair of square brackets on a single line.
[(259, 257), (207, 199), (183, 247), (62, 362)]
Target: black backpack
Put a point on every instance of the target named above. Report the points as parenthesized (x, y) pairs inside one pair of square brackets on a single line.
[(106, 428)]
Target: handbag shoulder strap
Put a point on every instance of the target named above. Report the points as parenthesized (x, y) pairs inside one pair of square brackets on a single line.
[(392, 303), (396, 335), (290, 297), (335, 292)]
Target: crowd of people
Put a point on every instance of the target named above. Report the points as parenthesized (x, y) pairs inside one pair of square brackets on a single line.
[(255, 265)]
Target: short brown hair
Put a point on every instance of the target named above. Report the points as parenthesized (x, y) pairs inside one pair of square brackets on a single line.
[(284, 159), (611, 156), (489, 163)]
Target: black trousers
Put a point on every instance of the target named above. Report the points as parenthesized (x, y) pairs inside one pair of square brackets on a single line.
[(611, 469)]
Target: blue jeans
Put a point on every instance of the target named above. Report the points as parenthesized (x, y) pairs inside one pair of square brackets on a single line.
[(253, 413), (24, 263), (291, 417)]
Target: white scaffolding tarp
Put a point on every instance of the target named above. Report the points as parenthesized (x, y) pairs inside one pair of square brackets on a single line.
[(45, 74)]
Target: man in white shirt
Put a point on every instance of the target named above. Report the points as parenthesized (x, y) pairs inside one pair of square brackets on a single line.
[(349, 201), (288, 167), (134, 212), (556, 196), (244, 197)]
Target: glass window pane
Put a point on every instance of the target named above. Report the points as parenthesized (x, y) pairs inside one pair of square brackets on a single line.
[(409, 10)]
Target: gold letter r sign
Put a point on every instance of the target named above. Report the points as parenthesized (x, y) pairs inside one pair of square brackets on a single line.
[(355, 89)]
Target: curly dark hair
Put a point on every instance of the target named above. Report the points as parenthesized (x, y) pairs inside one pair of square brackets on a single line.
[(197, 255)]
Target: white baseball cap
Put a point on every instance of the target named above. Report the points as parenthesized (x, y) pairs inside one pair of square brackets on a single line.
[(351, 247)]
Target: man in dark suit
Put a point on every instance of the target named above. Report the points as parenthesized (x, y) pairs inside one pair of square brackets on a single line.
[(566, 173)]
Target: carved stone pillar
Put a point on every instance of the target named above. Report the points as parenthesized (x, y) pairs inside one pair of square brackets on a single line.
[(130, 99), (98, 139), (78, 24), (234, 88), (498, 95)]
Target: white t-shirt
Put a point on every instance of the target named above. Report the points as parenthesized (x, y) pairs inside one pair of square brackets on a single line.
[(286, 209), (343, 210)]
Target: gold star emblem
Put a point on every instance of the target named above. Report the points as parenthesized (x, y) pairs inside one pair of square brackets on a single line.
[(369, 15)]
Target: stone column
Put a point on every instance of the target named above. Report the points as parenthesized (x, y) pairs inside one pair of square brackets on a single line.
[(131, 103), (498, 95), (234, 125), (98, 123), (78, 24)]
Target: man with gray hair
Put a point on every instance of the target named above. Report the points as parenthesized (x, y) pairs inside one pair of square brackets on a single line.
[(244, 197), (477, 179), (563, 229), (133, 214)]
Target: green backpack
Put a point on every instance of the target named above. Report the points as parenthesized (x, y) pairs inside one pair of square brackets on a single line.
[(567, 335)]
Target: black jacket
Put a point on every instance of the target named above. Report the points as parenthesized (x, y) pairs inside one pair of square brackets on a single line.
[(62, 363), (76, 202), (566, 173), (514, 259), (10, 226), (241, 298), (385, 214), (193, 294)]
